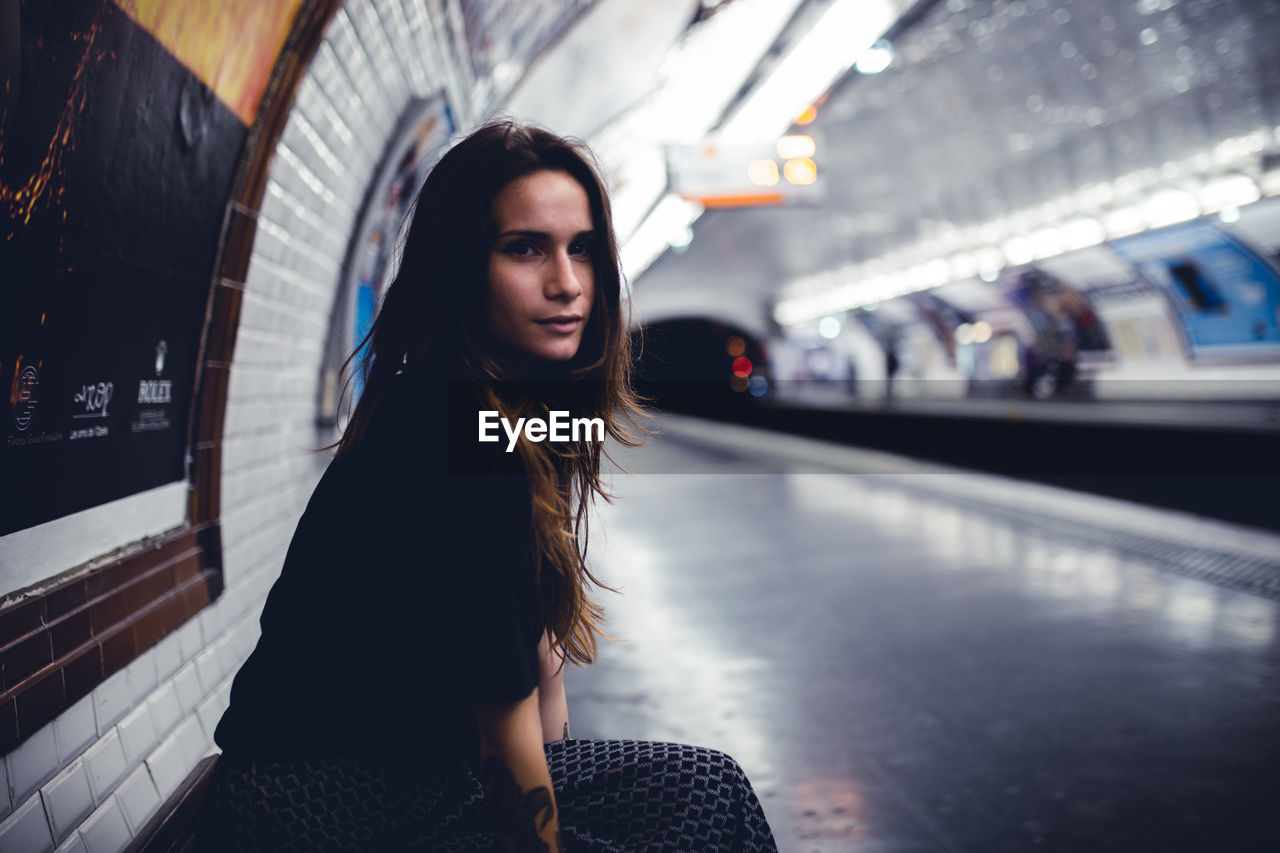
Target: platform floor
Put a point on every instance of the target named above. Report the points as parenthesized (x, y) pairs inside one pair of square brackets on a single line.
[(1261, 414), (908, 658)]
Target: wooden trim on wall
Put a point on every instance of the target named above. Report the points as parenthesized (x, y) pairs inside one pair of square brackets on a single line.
[(240, 226), (56, 646)]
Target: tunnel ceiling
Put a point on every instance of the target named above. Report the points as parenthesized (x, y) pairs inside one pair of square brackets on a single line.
[(991, 108)]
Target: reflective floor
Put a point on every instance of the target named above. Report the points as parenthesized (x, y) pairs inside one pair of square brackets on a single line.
[(905, 658)]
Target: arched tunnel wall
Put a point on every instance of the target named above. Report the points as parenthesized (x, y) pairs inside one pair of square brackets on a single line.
[(124, 617), (213, 183)]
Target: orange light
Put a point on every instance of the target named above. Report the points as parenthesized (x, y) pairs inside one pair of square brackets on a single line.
[(735, 346), (807, 117), (799, 145), (801, 171), (745, 200), (739, 384), (763, 173), (742, 366)]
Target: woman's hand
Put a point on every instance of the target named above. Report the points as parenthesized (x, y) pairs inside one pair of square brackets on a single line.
[(553, 709), (517, 784)]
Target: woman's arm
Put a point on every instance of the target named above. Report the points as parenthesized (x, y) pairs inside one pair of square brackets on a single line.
[(553, 709), (517, 784)]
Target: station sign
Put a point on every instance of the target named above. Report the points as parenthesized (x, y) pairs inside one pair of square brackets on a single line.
[(716, 173)]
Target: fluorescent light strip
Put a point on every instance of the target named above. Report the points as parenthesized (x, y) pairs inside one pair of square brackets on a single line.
[(1030, 235), (666, 225), (813, 64)]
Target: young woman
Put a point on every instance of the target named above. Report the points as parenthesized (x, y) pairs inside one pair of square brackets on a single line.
[(406, 690)]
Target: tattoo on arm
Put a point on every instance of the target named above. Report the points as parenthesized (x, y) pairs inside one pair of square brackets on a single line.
[(515, 811), (566, 730)]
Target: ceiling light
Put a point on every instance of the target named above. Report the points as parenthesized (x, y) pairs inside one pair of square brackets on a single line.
[(876, 58), (763, 173), (1019, 250), (1167, 207), (791, 147), (814, 62), (801, 171), (1123, 222), (666, 225), (1046, 242), (1083, 232), (963, 265), (1229, 191)]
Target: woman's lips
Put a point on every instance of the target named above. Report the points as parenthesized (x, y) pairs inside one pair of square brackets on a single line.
[(563, 323)]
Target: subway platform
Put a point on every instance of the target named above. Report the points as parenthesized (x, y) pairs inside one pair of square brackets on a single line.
[(906, 657)]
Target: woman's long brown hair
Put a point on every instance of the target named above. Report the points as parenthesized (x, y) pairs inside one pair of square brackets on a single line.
[(434, 318)]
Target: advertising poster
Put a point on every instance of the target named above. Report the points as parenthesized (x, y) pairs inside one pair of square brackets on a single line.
[(374, 251), (1225, 296), (1065, 330), (120, 130), (500, 33)]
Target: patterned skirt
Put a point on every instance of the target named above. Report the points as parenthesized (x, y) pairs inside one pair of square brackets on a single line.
[(613, 796)]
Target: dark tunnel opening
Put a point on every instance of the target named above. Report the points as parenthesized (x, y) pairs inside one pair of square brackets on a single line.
[(701, 367)]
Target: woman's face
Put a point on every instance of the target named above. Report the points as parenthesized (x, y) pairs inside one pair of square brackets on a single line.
[(541, 272)]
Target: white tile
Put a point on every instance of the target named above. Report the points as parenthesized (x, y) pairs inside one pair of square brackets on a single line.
[(190, 641), (32, 764), (142, 678), (210, 712), (74, 730), (213, 618), (244, 643), (138, 798), (230, 644), (165, 709), (137, 734), (228, 649), (168, 657), (5, 805), (168, 765), (192, 740), (67, 800), (209, 668), (73, 844), (112, 699), (27, 830), (187, 685), (106, 831), (224, 694), (107, 765)]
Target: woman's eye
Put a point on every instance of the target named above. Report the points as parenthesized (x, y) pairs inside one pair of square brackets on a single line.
[(519, 249), (582, 247)]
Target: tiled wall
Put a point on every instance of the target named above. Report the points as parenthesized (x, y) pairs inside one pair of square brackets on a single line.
[(93, 777)]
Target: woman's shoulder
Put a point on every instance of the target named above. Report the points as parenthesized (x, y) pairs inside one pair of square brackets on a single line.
[(426, 420), (407, 420)]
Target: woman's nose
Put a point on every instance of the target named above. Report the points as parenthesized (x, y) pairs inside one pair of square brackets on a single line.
[(563, 280)]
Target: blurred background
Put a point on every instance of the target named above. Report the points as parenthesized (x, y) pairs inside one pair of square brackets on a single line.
[(961, 320)]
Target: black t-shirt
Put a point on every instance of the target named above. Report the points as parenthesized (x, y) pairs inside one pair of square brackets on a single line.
[(406, 598)]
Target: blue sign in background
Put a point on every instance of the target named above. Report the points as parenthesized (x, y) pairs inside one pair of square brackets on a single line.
[(1226, 296)]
